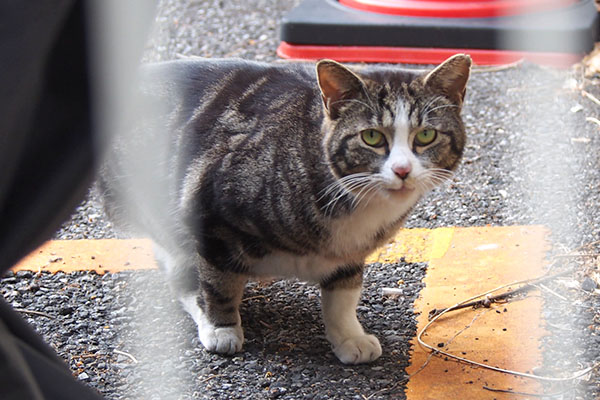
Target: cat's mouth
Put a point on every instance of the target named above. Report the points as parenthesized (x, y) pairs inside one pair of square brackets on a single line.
[(404, 189)]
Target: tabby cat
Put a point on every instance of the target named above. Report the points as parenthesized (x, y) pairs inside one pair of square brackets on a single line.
[(240, 169)]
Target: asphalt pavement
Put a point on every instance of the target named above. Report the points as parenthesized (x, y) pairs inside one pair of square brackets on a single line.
[(532, 158)]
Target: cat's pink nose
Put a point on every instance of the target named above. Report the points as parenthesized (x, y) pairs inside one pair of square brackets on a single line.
[(402, 170)]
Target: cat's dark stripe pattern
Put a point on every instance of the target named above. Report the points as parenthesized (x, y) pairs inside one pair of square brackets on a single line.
[(239, 170)]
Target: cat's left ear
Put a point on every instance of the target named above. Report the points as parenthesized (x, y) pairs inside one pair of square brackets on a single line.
[(451, 77), (337, 83)]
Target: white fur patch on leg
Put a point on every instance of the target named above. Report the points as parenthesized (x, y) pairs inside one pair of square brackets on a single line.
[(226, 340), (358, 350), (349, 341), (223, 340)]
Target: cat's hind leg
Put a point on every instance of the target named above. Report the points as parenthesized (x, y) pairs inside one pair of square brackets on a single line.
[(218, 319), (340, 293), (212, 298)]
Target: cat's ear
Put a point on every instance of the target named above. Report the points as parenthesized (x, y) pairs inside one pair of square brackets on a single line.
[(450, 77), (337, 83)]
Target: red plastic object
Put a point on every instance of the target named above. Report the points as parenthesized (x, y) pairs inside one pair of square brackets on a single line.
[(456, 8), (412, 55)]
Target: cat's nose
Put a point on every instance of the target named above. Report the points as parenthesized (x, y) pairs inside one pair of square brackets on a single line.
[(402, 170)]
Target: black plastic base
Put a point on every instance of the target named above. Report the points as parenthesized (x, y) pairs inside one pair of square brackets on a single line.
[(573, 29)]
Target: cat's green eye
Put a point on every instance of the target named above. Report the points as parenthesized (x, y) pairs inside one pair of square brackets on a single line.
[(425, 137), (372, 137)]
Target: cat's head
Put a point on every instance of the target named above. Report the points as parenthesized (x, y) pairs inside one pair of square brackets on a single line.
[(392, 132)]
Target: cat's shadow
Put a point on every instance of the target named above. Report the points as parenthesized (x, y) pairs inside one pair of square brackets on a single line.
[(280, 319), (284, 344), (283, 318)]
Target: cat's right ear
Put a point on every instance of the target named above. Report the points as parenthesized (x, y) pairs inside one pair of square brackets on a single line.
[(337, 83)]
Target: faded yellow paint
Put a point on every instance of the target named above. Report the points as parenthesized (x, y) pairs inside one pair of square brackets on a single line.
[(414, 245), (440, 242), (462, 262), (100, 255), (506, 335), (103, 255)]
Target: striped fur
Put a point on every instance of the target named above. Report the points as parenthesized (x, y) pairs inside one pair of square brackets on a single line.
[(245, 169)]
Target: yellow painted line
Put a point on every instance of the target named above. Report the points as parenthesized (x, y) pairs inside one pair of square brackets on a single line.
[(113, 255), (100, 255), (462, 262), (414, 245), (506, 335)]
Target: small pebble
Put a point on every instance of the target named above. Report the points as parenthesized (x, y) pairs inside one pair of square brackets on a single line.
[(588, 284)]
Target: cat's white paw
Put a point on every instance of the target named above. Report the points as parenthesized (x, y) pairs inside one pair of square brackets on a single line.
[(226, 340), (358, 350)]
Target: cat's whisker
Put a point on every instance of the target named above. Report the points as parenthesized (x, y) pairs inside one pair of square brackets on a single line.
[(370, 107), (340, 183), (438, 178), (431, 101), (443, 179), (421, 182), (348, 186), (433, 183), (344, 186), (426, 107), (340, 194), (431, 178), (330, 206), (368, 96), (432, 121), (429, 186), (440, 171), (335, 186), (356, 184), (440, 107), (356, 199), (374, 183), (422, 187), (373, 191)]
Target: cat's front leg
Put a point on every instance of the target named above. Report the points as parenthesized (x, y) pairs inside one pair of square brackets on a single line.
[(340, 293)]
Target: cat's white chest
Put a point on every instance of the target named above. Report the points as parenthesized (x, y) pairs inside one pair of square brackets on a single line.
[(281, 264), (351, 239), (355, 233)]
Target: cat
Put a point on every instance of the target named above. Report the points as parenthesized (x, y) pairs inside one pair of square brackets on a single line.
[(239, 169)]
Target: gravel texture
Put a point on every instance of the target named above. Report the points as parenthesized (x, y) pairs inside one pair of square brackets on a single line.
[(532, 158), (123, 333)]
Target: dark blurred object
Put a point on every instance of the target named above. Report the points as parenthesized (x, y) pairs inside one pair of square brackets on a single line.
[(46, 165)]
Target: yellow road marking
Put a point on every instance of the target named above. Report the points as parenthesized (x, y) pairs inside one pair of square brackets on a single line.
[(112, 255), (462, 262), (414, 245), (100, 255), (505, 335)]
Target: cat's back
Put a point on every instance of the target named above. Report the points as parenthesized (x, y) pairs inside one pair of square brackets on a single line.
[(201, 82), (215, 123)]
